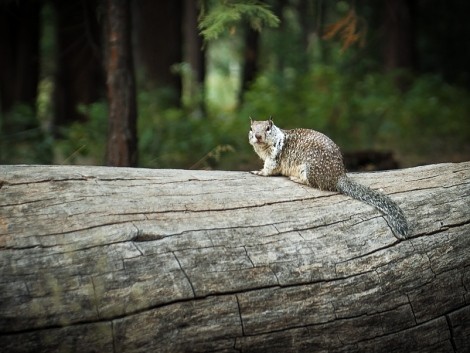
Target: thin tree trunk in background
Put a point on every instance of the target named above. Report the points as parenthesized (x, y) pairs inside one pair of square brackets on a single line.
[(159, 43), (122, 139), (278, 9), (194, 54), (307, 21), (19, 58), (250, 60), (399, 37), (321, 12), (80, 76)]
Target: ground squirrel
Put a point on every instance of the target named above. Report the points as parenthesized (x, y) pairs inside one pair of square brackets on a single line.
[(311, 158)]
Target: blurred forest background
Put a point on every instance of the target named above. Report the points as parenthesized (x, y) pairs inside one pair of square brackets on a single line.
[(172, 83)]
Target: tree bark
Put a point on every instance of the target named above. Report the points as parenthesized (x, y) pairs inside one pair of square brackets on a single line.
[(19, 58), (80, 74), (159, 45), (122, 139), (137, 260), (399, 41), (195, 53), (194, 46), (250, 60)]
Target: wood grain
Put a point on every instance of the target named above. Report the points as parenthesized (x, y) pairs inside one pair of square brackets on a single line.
[(136, 260)]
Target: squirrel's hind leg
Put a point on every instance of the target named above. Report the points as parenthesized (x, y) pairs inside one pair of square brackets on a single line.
[(298, 180), (300, 175)]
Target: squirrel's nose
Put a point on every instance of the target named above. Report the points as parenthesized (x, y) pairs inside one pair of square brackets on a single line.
[(258, 136)]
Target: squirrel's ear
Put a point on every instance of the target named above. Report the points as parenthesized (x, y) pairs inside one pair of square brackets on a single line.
[(251, 121), (270, 119)]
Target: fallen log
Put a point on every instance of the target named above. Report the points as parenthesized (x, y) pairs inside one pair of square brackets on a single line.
[(135, 260)]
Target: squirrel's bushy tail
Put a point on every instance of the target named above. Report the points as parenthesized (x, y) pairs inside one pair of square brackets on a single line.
[(382, 202)]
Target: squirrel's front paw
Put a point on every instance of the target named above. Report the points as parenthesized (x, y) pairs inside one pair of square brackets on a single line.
[(257, 172)]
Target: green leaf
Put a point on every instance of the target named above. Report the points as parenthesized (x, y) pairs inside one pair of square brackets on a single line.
[(227, 14)]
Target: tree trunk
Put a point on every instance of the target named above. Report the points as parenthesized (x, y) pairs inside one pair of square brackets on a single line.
[(159, 43), (250, 60), (138, 260), (399, 38), (19, 58), (308, 21), (195, 54), (80, 76), (21, 136), (122, 139)]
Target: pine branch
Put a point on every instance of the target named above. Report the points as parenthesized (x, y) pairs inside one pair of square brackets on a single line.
[(226, 15)]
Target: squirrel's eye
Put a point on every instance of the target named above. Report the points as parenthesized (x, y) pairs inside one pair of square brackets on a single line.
[(268, 128)]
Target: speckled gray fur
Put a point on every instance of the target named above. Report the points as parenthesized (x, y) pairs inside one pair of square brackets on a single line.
[(311, 158)]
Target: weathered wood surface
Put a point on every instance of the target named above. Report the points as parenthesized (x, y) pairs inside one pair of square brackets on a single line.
[(133, 260)]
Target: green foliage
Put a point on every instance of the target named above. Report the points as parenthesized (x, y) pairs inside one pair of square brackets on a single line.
[(366, 111), (434, 116), (227, 14), (302, 82), (85, 142), (178, 138), (167, 138), (22, 139), (357, 111)]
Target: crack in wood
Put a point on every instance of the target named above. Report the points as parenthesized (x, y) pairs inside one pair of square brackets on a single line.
[(412, 310), (185, 274), (62, 245), (392, 334), (144, 237), (244, 334), (148, 237), (248, 256), (463, 279), (452, 334), (362, 256), (27, 202), (235, 344), (138, 249), (275, 276), (424, 188), (113, 334), (240, 315), (411, 270), (457, 185), (430, 263), (50, 180), (341, 320), (223, 209), (193, 298), (456, 225), (443, 229), (95, 298), (101, 225)]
